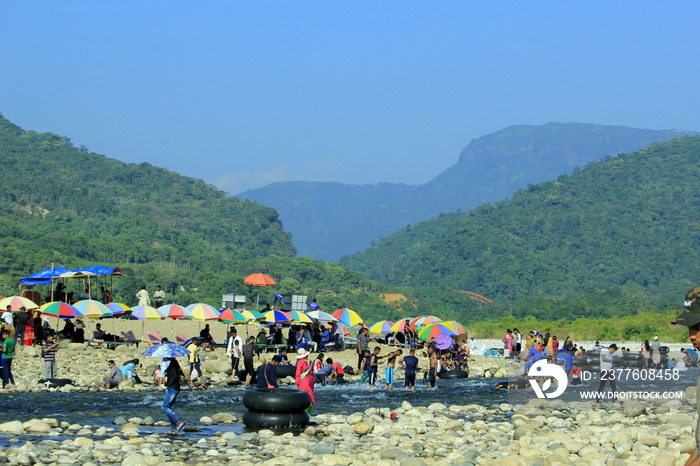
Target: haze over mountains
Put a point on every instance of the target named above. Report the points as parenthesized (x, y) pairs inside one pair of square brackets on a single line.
[(329, 220)]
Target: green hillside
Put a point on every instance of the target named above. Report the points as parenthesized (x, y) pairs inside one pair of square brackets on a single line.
[(622, 231), (329, 220), (66, 206)]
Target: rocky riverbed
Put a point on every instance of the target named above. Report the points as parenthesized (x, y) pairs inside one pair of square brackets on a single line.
[(541, 432)]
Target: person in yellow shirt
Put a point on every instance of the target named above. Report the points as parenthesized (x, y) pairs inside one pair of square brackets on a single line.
[(194, 363)]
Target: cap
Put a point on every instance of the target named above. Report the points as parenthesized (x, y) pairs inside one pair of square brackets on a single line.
[(691, 311), (302, 353), (656, 338)]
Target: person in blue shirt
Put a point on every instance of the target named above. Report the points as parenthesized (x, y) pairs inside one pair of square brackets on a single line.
[(267, 374), (568, 360), (410, 364)]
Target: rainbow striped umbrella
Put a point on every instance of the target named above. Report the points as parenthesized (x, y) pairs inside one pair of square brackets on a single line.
[(456, 326), (422, 321), (252, 315), (347, 317), (299, 317), (275, 317), (322, 316), (147, 313), (60, 309), (202, 312), (172, 311), (230, 316), (400, 325), (15, 302), (93, 309), (433, 330), (118, 309), (383, 326)]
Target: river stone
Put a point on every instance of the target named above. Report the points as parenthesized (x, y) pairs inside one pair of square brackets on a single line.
[(391, 453), (322, 449), (362, 428), (665, 460), (12, 427), (521, 432), (681, 420), (354, 419), (634, 408), (120, 420), (37, 427), (129, 427), (413, 462), (214, 366), (206, 420), (76, 346), (437, 407), (223, 418), (30, 351)]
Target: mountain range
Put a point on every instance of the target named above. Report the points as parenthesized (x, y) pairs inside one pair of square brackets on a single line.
[(624, 223), (329, 220)]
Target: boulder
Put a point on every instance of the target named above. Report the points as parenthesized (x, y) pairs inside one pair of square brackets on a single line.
[(215, 366), (362, 428), (12, 427)]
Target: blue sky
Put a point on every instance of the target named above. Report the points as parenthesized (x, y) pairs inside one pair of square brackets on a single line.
[(245, 94)]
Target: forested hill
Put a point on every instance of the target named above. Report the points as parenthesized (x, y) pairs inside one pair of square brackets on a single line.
[(329, 220), (67, 206), (629, 221)]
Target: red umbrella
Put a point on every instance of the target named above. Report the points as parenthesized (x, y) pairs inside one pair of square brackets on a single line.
[(259, 279)]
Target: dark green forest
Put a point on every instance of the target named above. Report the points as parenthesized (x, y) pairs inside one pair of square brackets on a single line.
[(613, 238), (69, 207)]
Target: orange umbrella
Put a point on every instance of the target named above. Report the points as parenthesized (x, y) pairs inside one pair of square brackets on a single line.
[(259, 279)]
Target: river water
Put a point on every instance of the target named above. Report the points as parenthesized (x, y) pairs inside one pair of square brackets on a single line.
[(97, 409)]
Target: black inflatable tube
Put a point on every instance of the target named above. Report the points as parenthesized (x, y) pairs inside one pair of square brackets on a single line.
[(276, 420), (454, 374), (55, 382), (285, 370), (276, 400)]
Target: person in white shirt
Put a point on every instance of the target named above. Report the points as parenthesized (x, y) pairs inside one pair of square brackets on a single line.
[(234, 348), (144, 298), (606, 365)]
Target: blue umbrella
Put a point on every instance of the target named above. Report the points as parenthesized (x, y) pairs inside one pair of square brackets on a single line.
[(166, 350)]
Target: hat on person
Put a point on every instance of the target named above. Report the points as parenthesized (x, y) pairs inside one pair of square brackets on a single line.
[(302, 353), (691, 310), (656, 338)]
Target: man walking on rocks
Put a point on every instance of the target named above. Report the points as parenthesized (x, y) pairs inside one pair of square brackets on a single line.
[(690, 317)]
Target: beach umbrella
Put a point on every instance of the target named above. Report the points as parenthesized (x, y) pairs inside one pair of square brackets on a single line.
[(322, 316), (275, 317), (299, 317), (252, 315), (259, 279), (347, 317), (59, 309), (16, 302), (421, 321), (202, 312), (146, 313), (172, 311), (383, 326), (118, 309), (400, 326), (166, 350), (230, 316), (93, 309), (433, 330), (443, 342), (456, 326)]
